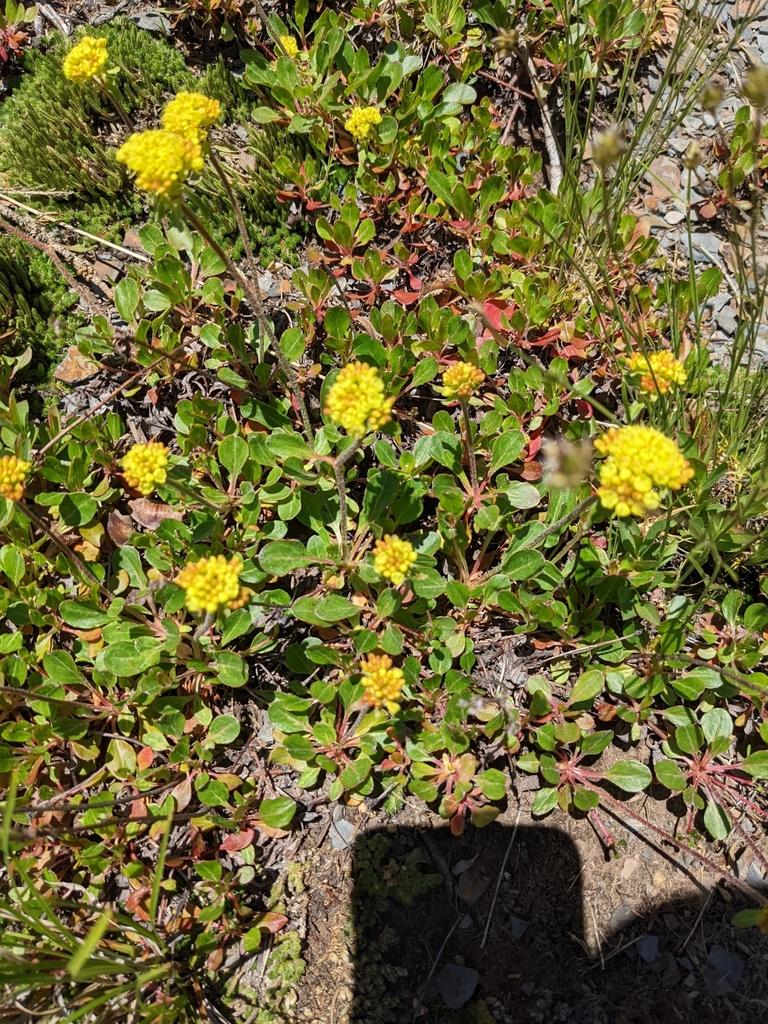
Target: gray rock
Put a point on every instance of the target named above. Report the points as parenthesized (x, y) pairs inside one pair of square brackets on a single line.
[(709, 121), (726, 321), (456, 985), (725, 971), (519, 927), (528, 987), (674, 217), (621, 918), (342, 832), (153, 21), (718, 301), (648, 948)]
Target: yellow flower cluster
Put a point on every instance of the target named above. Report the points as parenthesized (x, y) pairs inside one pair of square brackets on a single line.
[(640, 459), (161, 160), (290, 46), (13, 473), (211, 584), (461, 380), (356, 400), (361, 121), (85, 60), (191, 114), (657, 371), (382, 682), (144, 466), (393, 558)]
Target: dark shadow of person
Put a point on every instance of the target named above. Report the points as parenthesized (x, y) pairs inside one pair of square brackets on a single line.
[(424, 950)]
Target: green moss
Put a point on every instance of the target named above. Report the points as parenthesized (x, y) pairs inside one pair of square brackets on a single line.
[(37, 309), (382, 877)]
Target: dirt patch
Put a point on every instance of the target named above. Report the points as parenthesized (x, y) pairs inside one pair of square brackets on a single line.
[(576, 935)]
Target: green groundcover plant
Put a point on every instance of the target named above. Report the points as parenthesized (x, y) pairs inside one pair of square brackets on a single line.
[(532, 446)]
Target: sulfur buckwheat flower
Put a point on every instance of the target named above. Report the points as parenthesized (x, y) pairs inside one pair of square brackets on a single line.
[(161, 160), (640, 459), (393, 558), (657, 372), (361, 121), (356, 400), (382, 682), (86, 60), (144, 466), (290, 46), (13, 473), (191, 114), (212, 584), (461, 380)]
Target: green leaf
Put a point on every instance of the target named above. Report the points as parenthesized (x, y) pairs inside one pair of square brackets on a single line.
[(716, 821), (121, 758), (670, 775), (424, 371), (132, 657), (60, 668), (459, 92), (523, 565), (334, 608), (716, 723), (233, 454), (357, 772), (231, 669), (506, 450), (596, 742), (280, 557), (126, 298), (756, 764), (689, 738), (587, 687), (631, 776), (522, 495), (493, 783), (440, 185), (12, 564), (288, 446), (544, 801), (77, 509), (236, 624), (277, 813), (81, 615), (586, 799), (224, 729)]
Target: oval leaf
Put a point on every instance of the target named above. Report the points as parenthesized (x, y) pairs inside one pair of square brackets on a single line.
[(631, 776)]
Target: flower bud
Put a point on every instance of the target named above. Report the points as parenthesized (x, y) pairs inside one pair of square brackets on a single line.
[(607, 148), (755, 87)]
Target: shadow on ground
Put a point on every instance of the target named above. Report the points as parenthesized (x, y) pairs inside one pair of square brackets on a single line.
[(421, 906)]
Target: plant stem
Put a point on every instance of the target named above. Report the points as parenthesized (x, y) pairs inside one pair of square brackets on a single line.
[(261, 315), (563, 521), (338, 469), (236, 209), (116, 103), (470, 446)]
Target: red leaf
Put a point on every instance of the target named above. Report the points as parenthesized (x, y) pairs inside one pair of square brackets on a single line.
[(214, 960), (708, 211), (272, 923), (585, 409), (237, 841), (144, 758), (531, 471), (405, 298), (494, 309)]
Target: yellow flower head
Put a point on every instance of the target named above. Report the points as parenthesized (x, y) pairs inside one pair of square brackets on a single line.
[(85, 60), (161, 160), (382, 682), (211, 584), (191, 114), (640, 459), (356, 400), (144, 466), (393, 558), (461, 380), (657, 372), (13, 473), (290, 46), (361, 121)]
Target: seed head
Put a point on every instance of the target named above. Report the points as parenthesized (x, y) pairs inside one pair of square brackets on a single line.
[(607, 148), (393, 558), (461, 380), (161, 160), (191, 114), (86, 60), (13, 473), (710, 97), (356, 400), (382, 682), (639, 460), (144, 466), (506, 42), (755, 87), (692, 157), (211, 584), (361, 121)]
